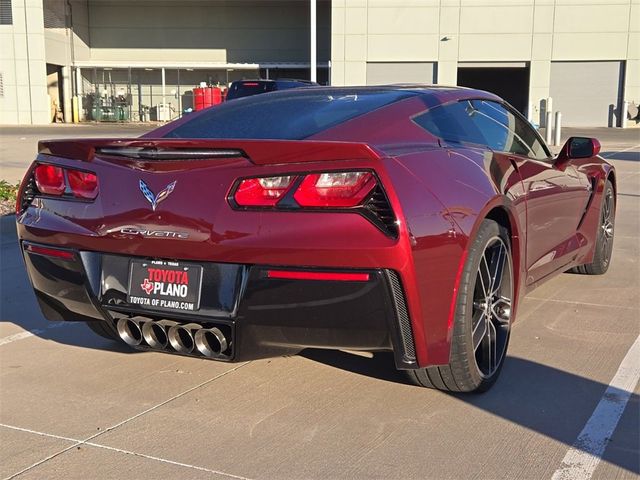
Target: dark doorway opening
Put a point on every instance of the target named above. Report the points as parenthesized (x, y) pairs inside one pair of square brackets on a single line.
[(510, 83)]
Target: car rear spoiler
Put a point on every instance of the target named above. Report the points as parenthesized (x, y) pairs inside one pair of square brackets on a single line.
[(260, 152)]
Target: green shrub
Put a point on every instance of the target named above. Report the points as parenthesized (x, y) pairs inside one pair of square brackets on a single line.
[(8, 192)]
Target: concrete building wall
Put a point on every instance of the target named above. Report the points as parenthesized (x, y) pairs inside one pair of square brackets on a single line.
[(23, 66), (448, 32), (213, 31), (57, 17)]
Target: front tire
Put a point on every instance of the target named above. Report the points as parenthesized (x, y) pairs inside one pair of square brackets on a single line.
[(604, 240), (482, 321)]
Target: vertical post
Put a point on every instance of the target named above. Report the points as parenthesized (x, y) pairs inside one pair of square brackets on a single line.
[(161, 108), (179, 97), (623, 114), (314, 66), (79, 94), (556, 129), (547, 131), (67, 102)]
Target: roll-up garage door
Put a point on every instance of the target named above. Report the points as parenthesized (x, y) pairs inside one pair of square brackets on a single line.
[(587, 93), (384, 73)]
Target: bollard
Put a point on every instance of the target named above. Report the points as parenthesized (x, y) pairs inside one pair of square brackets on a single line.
[(556, 129), (623, 114), (547, 132)]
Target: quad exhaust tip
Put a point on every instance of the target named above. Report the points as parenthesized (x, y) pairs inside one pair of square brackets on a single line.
[(170, 335), (130, 331), (155, 333), (210, 342), (181, 337)]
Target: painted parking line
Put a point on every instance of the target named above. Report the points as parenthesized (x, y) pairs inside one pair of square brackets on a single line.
[(87, 441), (30, 333), (584, 456), (77, 443)]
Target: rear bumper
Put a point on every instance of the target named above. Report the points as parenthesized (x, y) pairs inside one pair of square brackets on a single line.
[(261, 316)]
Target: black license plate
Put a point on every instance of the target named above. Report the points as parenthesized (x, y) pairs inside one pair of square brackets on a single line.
[(164, 285)]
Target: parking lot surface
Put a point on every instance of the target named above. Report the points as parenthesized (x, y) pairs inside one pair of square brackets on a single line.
[(74, 405)]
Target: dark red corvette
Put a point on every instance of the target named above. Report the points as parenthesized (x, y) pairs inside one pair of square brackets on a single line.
[(391, 218)]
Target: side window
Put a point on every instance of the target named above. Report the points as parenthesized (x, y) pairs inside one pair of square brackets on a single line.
[(484, 123), (452, 122), (521, 138)]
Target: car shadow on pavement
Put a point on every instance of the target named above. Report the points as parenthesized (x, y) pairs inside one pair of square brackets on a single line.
[(18, 304), (629, 156), (541, 398)]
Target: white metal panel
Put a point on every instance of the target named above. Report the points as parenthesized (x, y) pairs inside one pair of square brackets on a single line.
[(383, 73), (587, 92)]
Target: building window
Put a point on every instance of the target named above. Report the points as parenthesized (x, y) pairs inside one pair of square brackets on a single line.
[(6, 17)]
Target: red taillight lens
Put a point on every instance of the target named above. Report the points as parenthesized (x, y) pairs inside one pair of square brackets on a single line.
[(83, 184), (262, 192), (336, 189), (313, 275), (50, 252), (49, 179)]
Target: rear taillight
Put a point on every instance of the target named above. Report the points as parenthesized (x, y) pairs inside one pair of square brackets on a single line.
[(58, 181), (355, 191), (262, 192), (83, 184), (340, 189), (50, 179), (315, 190)]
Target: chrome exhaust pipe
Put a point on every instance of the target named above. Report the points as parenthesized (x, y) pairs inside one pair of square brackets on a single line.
[(210, 342), (181, 337), (129, 330), (155, 333)]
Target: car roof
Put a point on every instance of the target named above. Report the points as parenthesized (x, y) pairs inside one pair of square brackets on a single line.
[(438, 93), (274, 80)]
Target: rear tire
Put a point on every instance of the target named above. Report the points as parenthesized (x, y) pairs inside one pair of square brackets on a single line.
[(102, 328), (605, 234), (482, 320)]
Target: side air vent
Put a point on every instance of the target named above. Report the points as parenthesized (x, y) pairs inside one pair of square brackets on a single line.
[(28, 194), (402, 314), (379, 210)]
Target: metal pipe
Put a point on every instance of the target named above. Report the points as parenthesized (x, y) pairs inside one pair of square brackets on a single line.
[(556, 129), (210, 342), (155, 333), (313, 26), (164, 100), (181, 337), (547, 132), (623, 114), (129, 330)]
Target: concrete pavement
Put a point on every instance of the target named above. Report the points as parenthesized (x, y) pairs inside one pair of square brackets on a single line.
[(73, 405)]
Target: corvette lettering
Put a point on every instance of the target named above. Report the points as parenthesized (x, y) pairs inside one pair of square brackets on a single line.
[(154, 233)]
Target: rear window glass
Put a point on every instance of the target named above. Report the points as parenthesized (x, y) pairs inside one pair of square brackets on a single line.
[(292, 115)]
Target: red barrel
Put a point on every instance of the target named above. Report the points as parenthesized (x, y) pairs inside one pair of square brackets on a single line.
[(199, 98), (208, 98), (216, 96)]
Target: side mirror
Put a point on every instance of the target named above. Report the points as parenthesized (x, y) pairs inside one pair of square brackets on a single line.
[(579, 147)]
